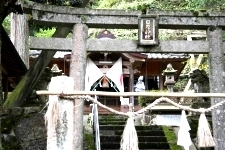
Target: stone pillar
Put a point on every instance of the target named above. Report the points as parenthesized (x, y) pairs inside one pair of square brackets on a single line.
[(19, 34), (59, 123), (131, 80), (77, 71), (217, 83)]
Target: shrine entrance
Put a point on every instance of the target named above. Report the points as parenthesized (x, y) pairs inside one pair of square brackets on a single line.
[(106, 85), (82, 19)]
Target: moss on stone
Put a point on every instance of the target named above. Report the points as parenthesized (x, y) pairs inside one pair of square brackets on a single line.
[(88, 140), (11, 101), (171, 138), (89, 143)]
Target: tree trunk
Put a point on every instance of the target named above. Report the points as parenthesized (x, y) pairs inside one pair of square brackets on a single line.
[(27, 83), (19, 34)]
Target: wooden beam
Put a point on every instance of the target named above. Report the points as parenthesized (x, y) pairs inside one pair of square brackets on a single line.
[(150, 94), (96, 18), (125, 63), (124, 46), (105, 70)]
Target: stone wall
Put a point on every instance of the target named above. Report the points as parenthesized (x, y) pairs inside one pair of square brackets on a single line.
[(23, 129)]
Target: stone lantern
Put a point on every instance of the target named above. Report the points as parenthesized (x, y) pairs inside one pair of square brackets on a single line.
[(169, 73), (55, 70)]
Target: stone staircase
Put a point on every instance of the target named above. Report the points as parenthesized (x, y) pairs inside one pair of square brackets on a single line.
[(111, 129)]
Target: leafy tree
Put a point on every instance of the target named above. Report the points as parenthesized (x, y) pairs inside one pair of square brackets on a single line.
[(6, 24), (45, 32), (73, 3)]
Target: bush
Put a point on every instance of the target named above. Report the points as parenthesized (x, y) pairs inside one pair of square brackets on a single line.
[(144, 100)]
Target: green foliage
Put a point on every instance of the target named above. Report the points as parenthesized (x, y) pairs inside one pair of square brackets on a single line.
[(144, 100), (45, 32), (160, 4), (181, 83), (73, 3), (204, 65), (6, 24), (171, 138), (204, 4), (125, 34), (89, 140), (105, 4), (119, 33)]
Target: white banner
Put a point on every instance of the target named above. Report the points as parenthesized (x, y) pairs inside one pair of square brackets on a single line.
[(115, 73), (93, 73)]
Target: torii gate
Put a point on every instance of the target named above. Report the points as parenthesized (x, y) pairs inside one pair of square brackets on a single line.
[(81, 19)]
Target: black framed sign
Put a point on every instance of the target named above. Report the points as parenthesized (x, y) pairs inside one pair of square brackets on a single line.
[(148, 30)]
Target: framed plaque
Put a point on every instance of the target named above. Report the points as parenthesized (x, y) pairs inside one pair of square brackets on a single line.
[(148, 30)]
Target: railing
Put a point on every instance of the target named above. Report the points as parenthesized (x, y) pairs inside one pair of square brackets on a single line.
[(150, 94), (96, 125)]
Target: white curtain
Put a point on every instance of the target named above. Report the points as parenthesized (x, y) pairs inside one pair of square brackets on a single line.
[(93, 73), (115, 73)]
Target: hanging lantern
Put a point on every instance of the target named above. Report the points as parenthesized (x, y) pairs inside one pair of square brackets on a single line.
[(105, 83)]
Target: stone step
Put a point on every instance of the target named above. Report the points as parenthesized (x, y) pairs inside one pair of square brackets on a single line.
[(121, 127), (144, 133), (102, 117), (112, 122), (139, 133), (117, 138), (107, 116), (141, 145), (112, 127)]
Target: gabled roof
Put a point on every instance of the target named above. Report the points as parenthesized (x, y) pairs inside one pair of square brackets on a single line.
[(167, 56), (12, 65)]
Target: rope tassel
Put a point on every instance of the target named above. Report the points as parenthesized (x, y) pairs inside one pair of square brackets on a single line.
[(205, 138), (184, 138), (129, 140)]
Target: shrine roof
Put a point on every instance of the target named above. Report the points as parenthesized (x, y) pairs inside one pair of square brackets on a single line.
[(11, 61), (61, 54), (166, 56)]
